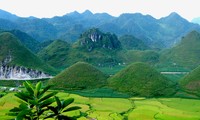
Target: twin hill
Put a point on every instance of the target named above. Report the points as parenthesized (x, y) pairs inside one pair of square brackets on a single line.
[(79, 76), (142, 80), (20, 55)]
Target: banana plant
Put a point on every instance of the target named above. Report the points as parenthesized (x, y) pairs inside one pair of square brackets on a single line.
[(34, 102), (61, 108)]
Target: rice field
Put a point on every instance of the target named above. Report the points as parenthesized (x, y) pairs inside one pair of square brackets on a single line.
[(123, 108)]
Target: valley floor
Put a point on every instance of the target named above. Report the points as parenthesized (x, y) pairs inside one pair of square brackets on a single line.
[(123, 108)]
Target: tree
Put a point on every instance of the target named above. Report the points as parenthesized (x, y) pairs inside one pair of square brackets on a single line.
[(35, 102)]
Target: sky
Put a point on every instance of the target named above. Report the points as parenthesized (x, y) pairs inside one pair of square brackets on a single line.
[(188, 9)]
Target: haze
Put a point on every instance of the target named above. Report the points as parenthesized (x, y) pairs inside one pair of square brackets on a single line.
[(188, 9)]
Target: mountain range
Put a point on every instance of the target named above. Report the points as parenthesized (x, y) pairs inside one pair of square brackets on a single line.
[(158, 33)]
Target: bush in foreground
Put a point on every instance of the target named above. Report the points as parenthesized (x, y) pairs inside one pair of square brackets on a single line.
[(36, 103)]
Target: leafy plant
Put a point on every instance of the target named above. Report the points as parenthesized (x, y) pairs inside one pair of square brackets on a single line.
[(35, 103)]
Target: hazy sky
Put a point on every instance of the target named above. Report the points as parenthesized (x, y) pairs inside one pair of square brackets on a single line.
[(188, 9)]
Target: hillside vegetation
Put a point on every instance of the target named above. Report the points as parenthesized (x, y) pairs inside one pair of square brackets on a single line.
[(142, 80), (79, 76)]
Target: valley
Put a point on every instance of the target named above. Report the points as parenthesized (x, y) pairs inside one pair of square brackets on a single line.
[(130, 67)]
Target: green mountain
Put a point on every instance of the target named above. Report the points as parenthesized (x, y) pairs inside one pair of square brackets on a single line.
[(191, 82), (55, 54), (20, 55), (27, 40), (129, 42), (94, 47), (142, 80), (185, 54), (79, 76), (94, 38)]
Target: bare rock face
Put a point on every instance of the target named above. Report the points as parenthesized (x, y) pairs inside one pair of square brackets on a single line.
[(19, 72)]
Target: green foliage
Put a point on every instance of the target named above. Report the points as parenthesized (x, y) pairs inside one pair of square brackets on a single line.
[(142, 80), (35, 103), (20, 55), (79, 76)]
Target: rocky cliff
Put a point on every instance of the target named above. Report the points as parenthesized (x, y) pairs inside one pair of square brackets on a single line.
[(19, 72)]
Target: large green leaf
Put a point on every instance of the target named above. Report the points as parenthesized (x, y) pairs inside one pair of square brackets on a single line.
[(53, 109), (23, 96), (47, 102), (33, 102), (72, 108), (29, 87), (47, 96), (37, 89), (44, 90), (59, 105), (67, 102)]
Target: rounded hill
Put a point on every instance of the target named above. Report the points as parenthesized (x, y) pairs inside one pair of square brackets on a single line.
[(79, 76), (141, 80)]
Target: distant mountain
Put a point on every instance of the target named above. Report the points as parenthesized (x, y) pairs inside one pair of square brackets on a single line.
[(20, 55), (140, 79), (164, 32), (130, 42), (7, 24), (79, 76), (37, 28), (73, 33), (158, 33), (196, 20), (173, 27), (185, 54), (7, 15)]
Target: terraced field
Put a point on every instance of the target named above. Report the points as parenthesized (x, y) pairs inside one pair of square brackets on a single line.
[(123, 108)]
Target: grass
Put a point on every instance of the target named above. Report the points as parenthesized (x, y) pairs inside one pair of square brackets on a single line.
[(123, 108)]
